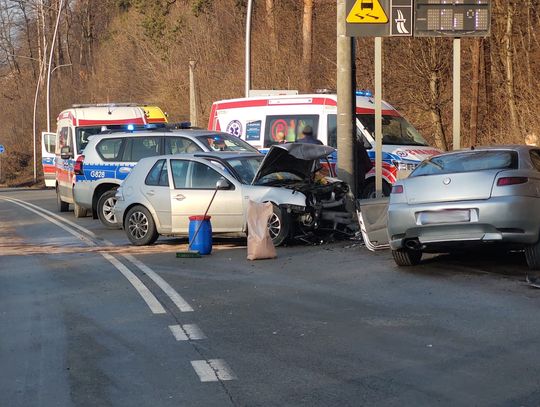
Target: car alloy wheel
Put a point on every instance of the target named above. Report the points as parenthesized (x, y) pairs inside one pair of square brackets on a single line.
[(140, 226), (278, 226), (105, 209)]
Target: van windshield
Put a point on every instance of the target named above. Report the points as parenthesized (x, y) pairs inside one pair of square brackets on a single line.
[(395, 129)]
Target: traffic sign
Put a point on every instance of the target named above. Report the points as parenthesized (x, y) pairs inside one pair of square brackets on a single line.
[(2, 149), (367, 12), (401, 24), (436, 18), (379, 18)]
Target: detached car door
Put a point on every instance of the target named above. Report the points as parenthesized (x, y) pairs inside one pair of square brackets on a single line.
[(194, 185)]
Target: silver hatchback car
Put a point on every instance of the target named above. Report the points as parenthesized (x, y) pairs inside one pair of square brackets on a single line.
[(457, 199)]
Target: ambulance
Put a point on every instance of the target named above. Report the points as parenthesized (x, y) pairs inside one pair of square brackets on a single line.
[(153, 115), (267, 120), (74, 128)]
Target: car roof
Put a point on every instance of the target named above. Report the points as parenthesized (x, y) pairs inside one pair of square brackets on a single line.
[(223, 155), (159, 132)]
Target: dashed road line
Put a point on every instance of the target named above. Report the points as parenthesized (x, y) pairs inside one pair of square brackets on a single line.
[(213, 370), (188, 332), (208, 370)]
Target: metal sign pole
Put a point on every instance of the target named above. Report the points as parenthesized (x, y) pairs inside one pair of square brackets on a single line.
[(457, 95), (378, 116)]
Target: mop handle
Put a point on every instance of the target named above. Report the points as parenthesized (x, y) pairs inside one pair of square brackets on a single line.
[(204, 216)]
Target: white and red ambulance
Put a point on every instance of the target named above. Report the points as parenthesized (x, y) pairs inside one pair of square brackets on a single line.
[(152, 115), (76, 125), (267, 120)]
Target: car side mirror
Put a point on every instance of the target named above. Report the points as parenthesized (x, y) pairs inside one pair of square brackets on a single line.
[(65, 153), (223, 184)]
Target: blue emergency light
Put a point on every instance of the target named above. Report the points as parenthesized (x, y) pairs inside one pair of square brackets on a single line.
[(366, 93), (131, 127)]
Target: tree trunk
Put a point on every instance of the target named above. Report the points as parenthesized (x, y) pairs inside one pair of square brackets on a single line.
[(435, 111), (508, 58), (475, 91), (271, 22), (307, 42)]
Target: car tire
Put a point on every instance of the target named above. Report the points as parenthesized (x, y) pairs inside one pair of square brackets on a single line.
[(61, 205), (140, 226), (278, 226), (368, 191), (406, 257), (532, 254), (79, 211), (105, 209)]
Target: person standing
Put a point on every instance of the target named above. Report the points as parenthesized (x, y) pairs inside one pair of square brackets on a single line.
[(308, 137)]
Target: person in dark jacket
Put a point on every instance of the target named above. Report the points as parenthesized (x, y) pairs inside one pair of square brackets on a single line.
[(363, 163), (308, 138)]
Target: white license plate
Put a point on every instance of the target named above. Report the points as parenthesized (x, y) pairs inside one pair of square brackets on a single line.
[(446, 216)]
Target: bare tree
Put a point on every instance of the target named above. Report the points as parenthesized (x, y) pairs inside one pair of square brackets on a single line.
[(307, 42), (475, 89)]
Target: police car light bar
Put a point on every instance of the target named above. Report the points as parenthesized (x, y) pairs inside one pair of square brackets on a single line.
[(364, 93)]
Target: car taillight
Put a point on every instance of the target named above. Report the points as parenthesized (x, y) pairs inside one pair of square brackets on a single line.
[(78, 166), (397, 189), (501, 182)]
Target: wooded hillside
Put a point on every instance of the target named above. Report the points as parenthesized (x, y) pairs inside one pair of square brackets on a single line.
[(138, 51)]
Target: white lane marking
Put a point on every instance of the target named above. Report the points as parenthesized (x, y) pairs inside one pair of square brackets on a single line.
[(144, 292), (194, 332), (54, 215), (176, 298), (50, 219), (213, 370), (182, 304), (187, 332), (178, 333)]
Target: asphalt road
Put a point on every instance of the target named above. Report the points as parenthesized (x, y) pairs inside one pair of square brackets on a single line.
[(88, 320)]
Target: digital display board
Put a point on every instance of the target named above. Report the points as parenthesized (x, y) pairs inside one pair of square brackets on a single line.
[(453, 18)]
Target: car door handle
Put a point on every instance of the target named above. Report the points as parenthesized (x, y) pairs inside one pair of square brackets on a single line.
[(179, 197), (150, 193)]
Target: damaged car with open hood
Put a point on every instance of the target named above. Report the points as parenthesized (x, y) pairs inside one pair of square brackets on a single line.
[(162, 192)]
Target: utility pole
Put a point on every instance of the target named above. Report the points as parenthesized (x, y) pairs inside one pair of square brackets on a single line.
[(248, 47), (193, 100), (345, 145), (60, 4)]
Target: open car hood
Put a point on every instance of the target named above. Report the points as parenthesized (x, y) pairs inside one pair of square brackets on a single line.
[(301, 159)]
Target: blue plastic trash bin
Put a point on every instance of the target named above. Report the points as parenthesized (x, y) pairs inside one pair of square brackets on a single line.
[(203, 241)]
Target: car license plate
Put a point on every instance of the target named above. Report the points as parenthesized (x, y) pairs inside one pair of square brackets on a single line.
[(445, 216)]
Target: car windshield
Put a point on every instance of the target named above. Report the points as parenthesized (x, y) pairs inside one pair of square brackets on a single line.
[(225, 142), (468, 161), (242, 168), (245, 168), (395, 129)]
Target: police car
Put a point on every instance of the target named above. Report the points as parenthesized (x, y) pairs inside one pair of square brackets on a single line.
[(108, 159)]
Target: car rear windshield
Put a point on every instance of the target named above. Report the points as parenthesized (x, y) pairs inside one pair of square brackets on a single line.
[(468, 161)]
